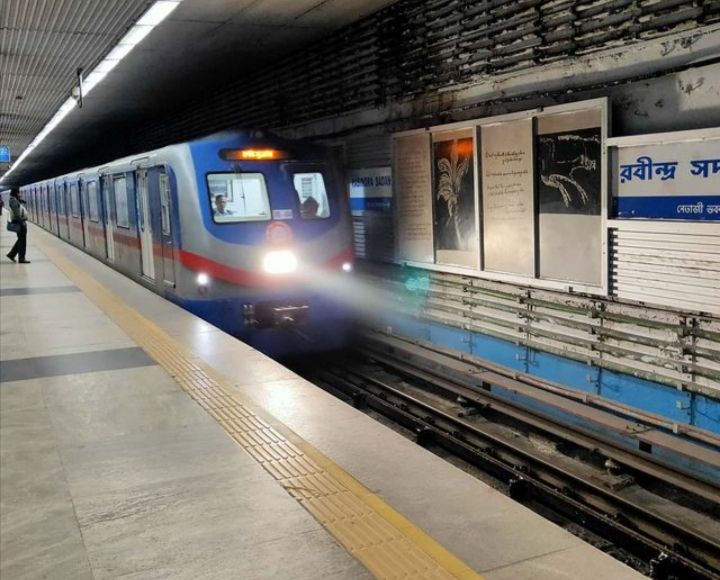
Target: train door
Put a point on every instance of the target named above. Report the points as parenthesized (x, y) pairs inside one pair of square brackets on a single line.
[(46, 209), (64, 217), (108, 223), (52, 210), (168, 248), (145, 225), (56, 201), (82, 194), (41, 197)]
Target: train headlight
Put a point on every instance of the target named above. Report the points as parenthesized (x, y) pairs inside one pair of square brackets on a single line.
[(280, 262), (203, 279), (347, 267)]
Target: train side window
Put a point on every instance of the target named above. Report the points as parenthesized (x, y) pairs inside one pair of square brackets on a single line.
[(165, 203), (74, 200), (311, 192), (122, 211), (60, 189), (93, 201), (238, 197)]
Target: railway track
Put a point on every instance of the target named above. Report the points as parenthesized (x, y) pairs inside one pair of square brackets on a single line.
[(460, 415)]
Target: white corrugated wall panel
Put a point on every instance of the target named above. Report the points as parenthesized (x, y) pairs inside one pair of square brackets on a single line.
[(670, 266)]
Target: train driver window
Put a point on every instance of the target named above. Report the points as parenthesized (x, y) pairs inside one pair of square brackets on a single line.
[(310, 188), (238, 197)]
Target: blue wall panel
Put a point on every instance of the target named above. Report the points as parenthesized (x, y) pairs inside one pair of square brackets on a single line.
[(502, 352), (451, 337), (565, 371), (706, 413), (663, 400), (651, 397)]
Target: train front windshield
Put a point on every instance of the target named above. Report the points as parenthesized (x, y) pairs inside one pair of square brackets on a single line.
[(312, 195), (238, 197)]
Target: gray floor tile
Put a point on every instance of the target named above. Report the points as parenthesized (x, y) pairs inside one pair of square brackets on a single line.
[(38, 290), (95, 420), (570, 564), (250, 369), (309, 556), (98, 386), (492, 542), (42, 541), (151, 458), (182, 523), (19, 395), (71, 364)]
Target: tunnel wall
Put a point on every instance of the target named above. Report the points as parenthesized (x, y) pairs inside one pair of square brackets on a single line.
[(420, 63)]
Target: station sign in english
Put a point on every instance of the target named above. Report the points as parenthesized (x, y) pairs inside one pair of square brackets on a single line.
[(4, 154), (370, 189)]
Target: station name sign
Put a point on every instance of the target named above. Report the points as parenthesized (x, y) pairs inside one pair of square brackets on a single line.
[(370, 189), (669, 181)]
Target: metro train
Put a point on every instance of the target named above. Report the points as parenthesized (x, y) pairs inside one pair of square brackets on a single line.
[(242, 229)]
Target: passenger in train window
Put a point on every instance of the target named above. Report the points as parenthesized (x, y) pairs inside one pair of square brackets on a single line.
[(220, 208), (18, 218), (309, 208)]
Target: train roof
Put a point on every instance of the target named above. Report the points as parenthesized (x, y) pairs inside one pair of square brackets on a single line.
[(235, 138)]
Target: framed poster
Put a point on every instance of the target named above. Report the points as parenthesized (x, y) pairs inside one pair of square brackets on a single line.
[(453, 194), (413, 197), (570, 166), (508, 196)]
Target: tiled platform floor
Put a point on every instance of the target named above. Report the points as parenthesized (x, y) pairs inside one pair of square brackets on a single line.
[(109, 470)]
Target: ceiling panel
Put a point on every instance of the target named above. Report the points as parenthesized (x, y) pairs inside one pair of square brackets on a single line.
[(204, 44)]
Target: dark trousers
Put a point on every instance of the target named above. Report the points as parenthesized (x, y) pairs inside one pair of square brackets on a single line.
[(20, 245)]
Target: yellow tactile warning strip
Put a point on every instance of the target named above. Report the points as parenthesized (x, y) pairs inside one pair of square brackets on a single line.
[(388, 544)]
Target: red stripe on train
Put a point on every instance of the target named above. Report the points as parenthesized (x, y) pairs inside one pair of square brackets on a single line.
[(221, 271)]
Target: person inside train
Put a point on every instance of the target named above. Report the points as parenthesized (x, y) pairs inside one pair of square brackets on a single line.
[(220, 206), (309, 208), (17, 224)]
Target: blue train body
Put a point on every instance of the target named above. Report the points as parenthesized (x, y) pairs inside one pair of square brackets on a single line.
[(248, 231)]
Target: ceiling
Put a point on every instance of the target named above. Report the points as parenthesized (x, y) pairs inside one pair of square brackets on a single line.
[(202, 45)]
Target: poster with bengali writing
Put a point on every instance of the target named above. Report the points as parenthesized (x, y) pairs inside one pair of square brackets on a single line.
[(413, 196), (508, 197)]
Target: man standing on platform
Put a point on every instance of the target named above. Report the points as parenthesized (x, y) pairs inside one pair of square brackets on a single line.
[(18, 224)]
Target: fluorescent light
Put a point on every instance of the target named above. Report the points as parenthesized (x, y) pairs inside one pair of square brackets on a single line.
[(158, 12), (154, 15), (92, 80), (135, 35), (119, 52), (106, 65)]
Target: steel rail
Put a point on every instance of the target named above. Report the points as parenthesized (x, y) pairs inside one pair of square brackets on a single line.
[(542, 384), (482, 398), (651, 537)]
